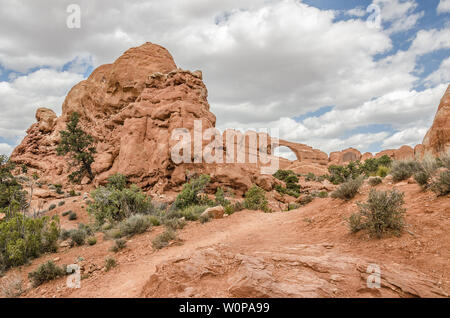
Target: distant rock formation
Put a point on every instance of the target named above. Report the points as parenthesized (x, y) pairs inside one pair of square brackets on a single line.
[(437, 139)]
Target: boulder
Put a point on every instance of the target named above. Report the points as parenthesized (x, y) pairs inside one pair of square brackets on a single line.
[(215, 212)]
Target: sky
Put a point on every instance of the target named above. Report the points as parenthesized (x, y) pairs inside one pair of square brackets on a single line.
[(330, 74)]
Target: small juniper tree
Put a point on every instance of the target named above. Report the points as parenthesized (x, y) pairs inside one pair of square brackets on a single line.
[(79, 145)]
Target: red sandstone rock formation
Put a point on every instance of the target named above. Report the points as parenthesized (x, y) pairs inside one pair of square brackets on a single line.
[(131, 108), (345, 156), (437, 139)]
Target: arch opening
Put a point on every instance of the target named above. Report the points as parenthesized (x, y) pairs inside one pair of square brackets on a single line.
[(285, 152)]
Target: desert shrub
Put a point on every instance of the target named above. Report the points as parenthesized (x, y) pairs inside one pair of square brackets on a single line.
[(110, 263), (154, 220), (402, 170), (422, 177), (376, 166), (45, 272), (58, 188), (72, 193), (192, 212), (235, 207), (382, 214), (106, 227), (92, 240), (174, 223), (163, 239), (255, 199), (293, 206), (119, 244), (66, 213), (64, 234), (355, 223), (306, 199), (323, 194), (113, 233), (77, 237), (12, 286), (61, 203), (291, 180), (220, 198), (52, 207), (348, 190), (191, 192), (382, 171), (375, 181), (117, 181), (112, 204), (283, 174), (135, 224), (229, 209), (204, 218), (23, 238), (310, 177), (441, 186), (72, 216)]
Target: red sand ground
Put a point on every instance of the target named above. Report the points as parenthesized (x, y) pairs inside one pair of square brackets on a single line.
[(307, 252)]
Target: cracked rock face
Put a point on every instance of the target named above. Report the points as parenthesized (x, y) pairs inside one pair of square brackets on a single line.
[(299, 271)]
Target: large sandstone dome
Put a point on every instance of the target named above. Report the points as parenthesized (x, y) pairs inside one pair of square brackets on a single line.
[(130, 107)]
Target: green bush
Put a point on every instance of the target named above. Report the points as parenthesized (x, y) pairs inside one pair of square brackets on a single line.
[(192, 212), (310, 177), (52, 207), (112, 204), (66, 213), (23, 238), (283, 174), (120, 244), (92, 240), (441, 186), (255, 199), (135, 224), (382, 214), (72, 193), (163, 239), (61, 203), (383, 171), (220, 198), (117, 181), (323, 194), (110, 263), (154, 220), (402, 170), (348, 190), (45, 272), (72, 216), (375, 181), (191, 192), (293, 206), (291, 180)]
